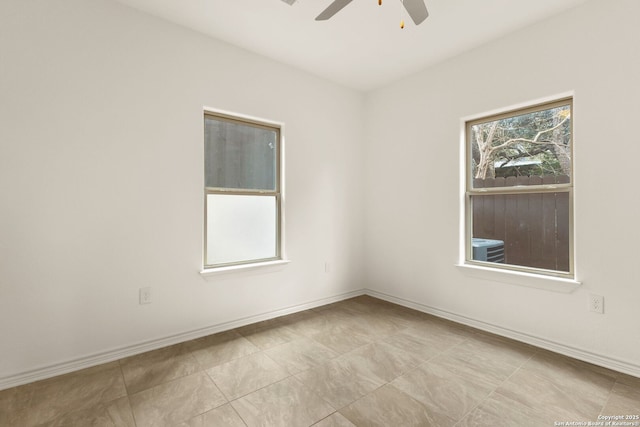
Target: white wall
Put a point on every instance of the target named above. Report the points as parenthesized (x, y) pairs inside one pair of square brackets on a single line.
[(101, 181), (413, 195)]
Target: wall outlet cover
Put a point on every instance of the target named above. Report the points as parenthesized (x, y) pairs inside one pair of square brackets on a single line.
[(145, 295)]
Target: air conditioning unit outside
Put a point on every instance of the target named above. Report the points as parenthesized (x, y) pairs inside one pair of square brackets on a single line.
[(487, 250)]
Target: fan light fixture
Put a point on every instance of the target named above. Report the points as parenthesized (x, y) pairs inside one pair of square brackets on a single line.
[(416, 9), (401, 17)]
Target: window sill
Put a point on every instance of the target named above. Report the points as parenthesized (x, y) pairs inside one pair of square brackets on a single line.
[(549, 283), (264, 266)]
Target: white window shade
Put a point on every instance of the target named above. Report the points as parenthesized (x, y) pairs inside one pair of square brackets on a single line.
[(241, 228)]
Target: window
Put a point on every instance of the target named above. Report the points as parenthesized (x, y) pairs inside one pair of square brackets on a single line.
[(243, 200), (519, 190)]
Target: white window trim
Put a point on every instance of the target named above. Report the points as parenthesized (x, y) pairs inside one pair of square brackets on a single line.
[(267, 266), (520, 278), (503, 275), (258, 265)]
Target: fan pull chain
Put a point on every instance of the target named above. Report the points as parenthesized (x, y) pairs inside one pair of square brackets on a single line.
[(401, 14)]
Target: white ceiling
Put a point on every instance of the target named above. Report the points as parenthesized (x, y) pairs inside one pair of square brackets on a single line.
[(362, 46)]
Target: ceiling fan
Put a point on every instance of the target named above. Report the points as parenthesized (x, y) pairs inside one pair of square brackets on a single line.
[(416, 9)]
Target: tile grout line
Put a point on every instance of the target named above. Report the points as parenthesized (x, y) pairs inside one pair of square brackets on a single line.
[(237, 413), (128, 395), (290, 376), (609, 395), (494, 390), (263, 351)]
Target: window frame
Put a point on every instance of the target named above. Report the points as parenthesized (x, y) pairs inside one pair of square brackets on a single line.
[(470, 191), (277, 193)]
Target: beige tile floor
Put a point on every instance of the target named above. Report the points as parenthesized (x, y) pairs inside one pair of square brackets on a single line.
[(361, 362)]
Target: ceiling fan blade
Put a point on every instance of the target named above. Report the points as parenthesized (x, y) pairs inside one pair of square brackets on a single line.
[(289, 1), (417, 10), (333, 8)]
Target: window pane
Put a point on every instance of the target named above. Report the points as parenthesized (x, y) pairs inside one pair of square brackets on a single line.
[(239, 156), (240, 228), (532, 144), (533, 228)]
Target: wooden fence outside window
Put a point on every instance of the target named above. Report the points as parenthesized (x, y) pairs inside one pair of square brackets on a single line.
[(533, 226)]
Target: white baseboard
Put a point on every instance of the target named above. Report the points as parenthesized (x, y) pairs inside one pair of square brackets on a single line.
[(119, 353), (580, 354)]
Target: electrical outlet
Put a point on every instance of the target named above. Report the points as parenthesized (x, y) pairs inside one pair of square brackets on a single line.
[(596, 303), (145, 295)]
